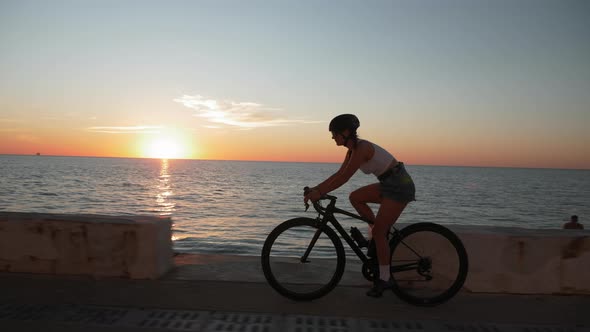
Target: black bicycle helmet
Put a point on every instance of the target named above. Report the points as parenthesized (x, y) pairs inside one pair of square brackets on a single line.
[(344, 121)]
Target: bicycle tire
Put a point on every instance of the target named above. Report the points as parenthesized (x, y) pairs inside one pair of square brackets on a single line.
[(313, 287), (413, 243)]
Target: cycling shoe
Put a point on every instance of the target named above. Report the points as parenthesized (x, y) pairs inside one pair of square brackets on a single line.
[(379, 286)]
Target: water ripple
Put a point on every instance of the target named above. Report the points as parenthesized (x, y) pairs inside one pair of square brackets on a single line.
[(230, 207)]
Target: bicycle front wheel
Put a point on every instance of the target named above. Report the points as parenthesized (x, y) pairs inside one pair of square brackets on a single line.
[(301, 261), (429, 264)]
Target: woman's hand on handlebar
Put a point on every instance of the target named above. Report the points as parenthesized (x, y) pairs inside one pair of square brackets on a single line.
[(311, 194)]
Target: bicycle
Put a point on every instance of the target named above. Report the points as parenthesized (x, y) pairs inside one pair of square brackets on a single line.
[(420, 277)]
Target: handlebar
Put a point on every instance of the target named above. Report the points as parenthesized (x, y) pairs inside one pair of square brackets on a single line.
[(316, 205), (331, 208)]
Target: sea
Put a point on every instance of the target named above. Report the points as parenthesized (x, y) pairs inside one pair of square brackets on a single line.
[(229, 207)]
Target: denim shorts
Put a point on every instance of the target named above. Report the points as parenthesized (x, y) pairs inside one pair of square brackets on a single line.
[(399, 185)]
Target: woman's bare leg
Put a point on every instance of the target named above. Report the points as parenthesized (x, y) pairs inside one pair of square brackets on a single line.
[(367, 194), (387, 215)]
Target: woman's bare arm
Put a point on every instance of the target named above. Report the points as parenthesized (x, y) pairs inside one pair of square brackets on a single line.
[(354, 159), (333, 176)]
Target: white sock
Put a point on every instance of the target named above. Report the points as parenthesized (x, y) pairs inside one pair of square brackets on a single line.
[(384, 273)]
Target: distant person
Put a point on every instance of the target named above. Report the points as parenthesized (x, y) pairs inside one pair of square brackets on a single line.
[(393, 192), (573, 223)]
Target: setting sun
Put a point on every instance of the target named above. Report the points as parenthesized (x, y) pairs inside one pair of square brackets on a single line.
[(167, 147)]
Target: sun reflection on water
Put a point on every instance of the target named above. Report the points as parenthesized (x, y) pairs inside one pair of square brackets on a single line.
[(165, 204)]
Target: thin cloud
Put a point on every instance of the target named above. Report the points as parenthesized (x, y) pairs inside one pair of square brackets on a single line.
[(244, 115), (27, 138), (9, 123), (7, 120), (126, 130)]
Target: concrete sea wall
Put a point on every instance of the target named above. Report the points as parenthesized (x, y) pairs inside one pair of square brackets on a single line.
[(501, 260), (137, 247), (526, 261)]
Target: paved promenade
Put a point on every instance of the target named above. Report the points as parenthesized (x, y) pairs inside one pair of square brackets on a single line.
[(228, 293)]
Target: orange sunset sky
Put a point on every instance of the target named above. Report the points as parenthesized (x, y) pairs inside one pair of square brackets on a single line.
[(475, 83)]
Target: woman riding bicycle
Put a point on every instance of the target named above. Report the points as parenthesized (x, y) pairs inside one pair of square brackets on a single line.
[(393, 192)]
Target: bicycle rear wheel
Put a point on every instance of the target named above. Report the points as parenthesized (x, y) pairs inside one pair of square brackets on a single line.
[(289, 272), (429, 264)]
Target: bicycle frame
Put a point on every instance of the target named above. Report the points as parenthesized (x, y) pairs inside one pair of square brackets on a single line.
[(288, 276), (327, 214)]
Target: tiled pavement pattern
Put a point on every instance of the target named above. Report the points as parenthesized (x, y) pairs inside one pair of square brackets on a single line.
[(110, 318)]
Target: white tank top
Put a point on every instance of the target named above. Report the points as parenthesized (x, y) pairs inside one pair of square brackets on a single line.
[(379, 162)]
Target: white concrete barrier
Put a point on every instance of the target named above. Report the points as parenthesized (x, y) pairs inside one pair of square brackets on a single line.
[(526, 261), (137, 247), (501, 259)]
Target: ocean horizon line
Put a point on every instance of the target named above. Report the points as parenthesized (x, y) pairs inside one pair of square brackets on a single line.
[(289, 161)]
